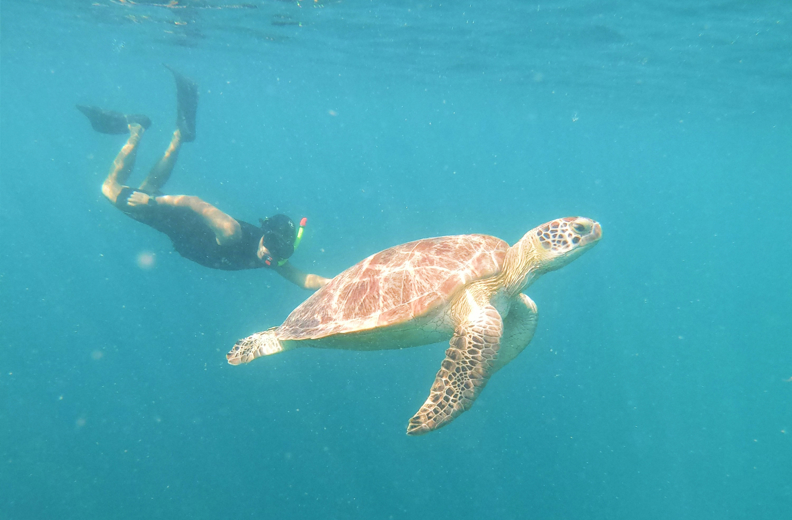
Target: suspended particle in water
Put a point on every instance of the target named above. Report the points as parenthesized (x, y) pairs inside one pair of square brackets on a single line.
[(146, 260)]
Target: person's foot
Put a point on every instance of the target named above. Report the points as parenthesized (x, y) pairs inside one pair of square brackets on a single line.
[(111, 122), (138, 119), (135, 129), (187, 105)]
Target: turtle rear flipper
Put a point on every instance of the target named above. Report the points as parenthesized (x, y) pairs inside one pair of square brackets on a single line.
[(469, 363), (259, 344)]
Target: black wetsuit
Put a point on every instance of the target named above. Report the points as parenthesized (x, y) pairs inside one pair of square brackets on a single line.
[(193, 239)]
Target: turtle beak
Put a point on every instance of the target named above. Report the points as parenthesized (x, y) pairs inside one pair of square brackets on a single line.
[(593, 236), (596, 231)]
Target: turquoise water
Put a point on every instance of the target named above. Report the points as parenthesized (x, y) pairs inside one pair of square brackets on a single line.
[(656, 385)]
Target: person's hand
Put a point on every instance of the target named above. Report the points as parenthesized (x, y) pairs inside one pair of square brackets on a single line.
[(314, 281), (138, 198)]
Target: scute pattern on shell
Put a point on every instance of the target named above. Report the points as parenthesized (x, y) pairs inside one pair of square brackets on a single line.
[(395, 285)]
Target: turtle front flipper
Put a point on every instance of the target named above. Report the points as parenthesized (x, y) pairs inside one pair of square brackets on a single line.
[(518, 330), (469, 363), (259, 344)]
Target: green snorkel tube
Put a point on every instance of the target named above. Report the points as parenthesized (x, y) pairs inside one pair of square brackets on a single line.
[(297, 240)]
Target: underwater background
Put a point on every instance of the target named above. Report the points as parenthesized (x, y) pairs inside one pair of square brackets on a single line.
[(657, 385)]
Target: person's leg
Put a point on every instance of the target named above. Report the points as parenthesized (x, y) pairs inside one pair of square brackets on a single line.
[(123, 164), (187, 105), (161, 171)]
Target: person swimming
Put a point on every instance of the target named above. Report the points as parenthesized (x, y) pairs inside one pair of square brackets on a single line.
[(199, 231)]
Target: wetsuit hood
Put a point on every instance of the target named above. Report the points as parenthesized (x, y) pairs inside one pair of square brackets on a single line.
[(279, 234)]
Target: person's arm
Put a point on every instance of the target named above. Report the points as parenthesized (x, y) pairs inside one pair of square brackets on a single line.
[(301, 279), (225, 228)]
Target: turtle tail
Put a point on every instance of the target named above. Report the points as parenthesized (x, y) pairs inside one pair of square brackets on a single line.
[(259, 344)]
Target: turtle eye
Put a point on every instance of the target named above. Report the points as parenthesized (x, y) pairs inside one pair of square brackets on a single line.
[(579, 227)]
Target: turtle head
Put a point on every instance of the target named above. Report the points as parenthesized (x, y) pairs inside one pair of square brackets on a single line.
[(546, 248), (560, 241)]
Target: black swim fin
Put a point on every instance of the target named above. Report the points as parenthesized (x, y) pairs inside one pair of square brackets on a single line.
[(187, 104), (110, 122)]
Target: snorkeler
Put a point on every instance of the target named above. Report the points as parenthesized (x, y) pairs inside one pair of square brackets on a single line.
[(199, 231)]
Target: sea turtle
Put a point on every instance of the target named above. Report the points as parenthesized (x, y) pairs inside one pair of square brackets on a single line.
[(466, 287)]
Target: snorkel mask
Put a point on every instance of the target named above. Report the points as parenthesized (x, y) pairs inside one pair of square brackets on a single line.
[(280, 239)]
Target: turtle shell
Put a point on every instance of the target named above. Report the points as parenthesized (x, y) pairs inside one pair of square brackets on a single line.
[(395, 285)]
